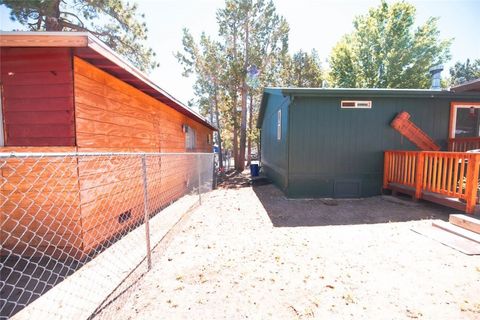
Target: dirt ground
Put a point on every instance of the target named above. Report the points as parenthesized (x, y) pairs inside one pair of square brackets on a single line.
[(250, 253)]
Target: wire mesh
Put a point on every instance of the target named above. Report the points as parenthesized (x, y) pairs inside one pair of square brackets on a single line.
[(76, 228)]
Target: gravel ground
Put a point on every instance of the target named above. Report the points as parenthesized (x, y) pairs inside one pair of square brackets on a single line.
[(250, 253)]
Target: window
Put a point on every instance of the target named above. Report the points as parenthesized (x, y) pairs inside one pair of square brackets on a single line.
[(209, 139), (279, 124), (189, 138), (351, 104), (465, 120)]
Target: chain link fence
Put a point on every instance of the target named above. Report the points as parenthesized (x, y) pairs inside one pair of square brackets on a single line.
[(79, 228)]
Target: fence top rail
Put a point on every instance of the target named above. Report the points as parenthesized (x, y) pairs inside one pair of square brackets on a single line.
[(446, 153), (93, 154), (464, 139)]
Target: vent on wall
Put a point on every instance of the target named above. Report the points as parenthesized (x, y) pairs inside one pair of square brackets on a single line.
[(125, 216), (352, 104)]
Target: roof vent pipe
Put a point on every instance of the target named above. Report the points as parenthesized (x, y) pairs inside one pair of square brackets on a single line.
[(436, 73)]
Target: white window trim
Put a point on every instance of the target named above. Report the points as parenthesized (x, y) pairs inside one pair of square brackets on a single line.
[(358, 104), (279, 124), (454, 115)]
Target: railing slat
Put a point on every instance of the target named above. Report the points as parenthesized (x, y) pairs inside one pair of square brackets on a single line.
[(463, 144), (460, 181), (455, 174), (449, 177)]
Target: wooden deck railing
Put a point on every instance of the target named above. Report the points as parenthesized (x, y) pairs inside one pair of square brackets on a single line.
[(463, 144), (450, 174)]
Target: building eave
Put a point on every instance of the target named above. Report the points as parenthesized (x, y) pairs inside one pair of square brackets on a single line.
[(94, 51)]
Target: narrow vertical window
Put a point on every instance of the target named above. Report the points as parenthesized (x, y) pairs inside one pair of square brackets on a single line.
[(279, 124), (189, 138)]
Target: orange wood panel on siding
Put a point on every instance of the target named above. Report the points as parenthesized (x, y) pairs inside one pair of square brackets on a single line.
[(101, 97), (42, 211)]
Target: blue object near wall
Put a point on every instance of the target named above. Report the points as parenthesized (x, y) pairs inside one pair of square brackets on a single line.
[(254, 168)]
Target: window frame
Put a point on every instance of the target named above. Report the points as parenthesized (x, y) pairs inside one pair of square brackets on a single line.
[(279, 124), (453, 114), (193, 136), (355, 104)]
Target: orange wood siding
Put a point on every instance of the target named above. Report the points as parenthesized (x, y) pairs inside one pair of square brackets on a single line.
[(112, 115), (74, 204), (40, 204), (37, 96)]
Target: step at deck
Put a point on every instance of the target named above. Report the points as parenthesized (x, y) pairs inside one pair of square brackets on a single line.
[(449, 239), (465, 222), (457, 230)]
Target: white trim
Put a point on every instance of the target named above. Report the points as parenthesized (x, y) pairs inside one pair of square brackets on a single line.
[(357, 104), (279, 124), (454, 121)]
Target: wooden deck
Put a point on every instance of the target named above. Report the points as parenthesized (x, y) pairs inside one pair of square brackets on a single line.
[(451, 202), (447, 178)]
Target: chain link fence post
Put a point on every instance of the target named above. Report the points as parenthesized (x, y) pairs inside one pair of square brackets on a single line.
[(199, 179), (145, 206)]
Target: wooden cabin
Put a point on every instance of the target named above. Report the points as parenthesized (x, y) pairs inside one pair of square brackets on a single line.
[(68, 92)]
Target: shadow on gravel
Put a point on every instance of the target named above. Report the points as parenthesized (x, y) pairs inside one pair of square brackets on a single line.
[(285, 212)]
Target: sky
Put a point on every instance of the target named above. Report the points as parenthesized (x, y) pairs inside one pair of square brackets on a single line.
[(313, 24)]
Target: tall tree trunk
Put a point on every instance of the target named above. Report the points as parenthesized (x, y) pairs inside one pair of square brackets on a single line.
[(235, 131), (219, 132), (52, 16), (250, 128), (243, 123)]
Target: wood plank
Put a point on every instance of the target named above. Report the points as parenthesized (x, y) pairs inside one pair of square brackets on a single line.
[(39, 117), (92, 113), (466, 222), (461, 191), (114, 130), (42, 141), (37, 91), (407, 128), (455, 174), (43, 40), (39, 77), (90, 140), (467, 234), (449, 239), (444, 201), (41, 104), (449, 178), (40, 131)]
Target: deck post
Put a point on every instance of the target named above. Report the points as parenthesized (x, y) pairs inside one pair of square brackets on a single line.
[(146, 217), (386, 168), (472, 183), (419, 166)]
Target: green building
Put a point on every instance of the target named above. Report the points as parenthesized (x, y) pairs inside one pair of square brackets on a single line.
[(330, 142)]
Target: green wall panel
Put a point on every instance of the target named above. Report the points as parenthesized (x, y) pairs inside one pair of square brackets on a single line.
[(274, 153), (334, 151)]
